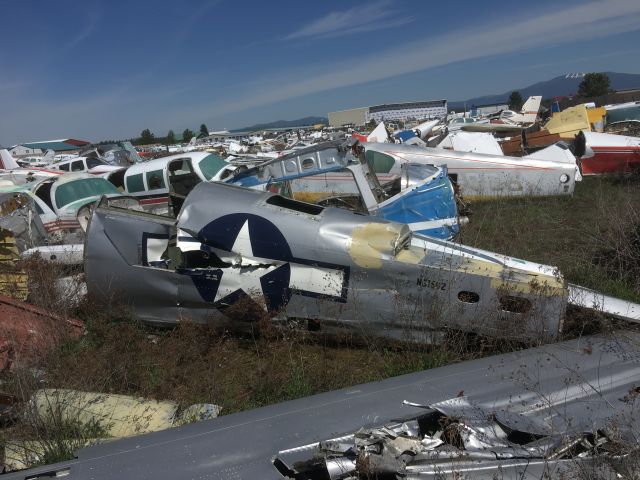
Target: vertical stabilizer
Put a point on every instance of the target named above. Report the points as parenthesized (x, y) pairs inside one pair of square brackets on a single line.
[(7, 161)]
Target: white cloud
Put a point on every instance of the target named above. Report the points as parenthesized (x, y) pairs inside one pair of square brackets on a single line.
[(364, 18), (597, 19), (127, 110)]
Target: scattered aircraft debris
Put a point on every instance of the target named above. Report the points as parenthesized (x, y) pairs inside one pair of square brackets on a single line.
[(563, 409), (64, 202), (26, 332), (113, 416)]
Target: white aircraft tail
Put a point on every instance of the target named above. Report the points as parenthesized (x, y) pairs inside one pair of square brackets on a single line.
[(530, 109), (7, 161), (48, 156), (379, 134), (193, 141)]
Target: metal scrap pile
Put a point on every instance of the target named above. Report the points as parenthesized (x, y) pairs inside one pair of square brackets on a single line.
[(454, 438)]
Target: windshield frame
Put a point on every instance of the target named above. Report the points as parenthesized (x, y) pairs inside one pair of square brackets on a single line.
[(86, 187)]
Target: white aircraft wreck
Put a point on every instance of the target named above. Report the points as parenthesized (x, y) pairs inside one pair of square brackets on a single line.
[(551, 171)]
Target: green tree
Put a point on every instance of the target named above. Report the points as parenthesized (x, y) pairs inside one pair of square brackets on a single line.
[(515, 101), (187, 135), (204, 131), (171, 138), (594, 85), (146, 137)]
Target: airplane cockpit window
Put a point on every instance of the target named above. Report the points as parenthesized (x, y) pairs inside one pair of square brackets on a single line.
[(77, 166), (94, 162), (64, 167)]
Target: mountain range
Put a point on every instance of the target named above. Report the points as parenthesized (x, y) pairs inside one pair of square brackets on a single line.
[(300, 122), (560, 86)]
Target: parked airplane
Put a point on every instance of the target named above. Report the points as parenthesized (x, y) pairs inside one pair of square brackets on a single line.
[(155, 181)]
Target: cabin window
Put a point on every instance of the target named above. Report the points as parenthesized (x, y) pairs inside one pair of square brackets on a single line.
[(64, 167), (380, 162), (77, 166), (513, 304), (135, 183), (94, 162), (307, 163), (211, 165), (155, 180), (180, 167)]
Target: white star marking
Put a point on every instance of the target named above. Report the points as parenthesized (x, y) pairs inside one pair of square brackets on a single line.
[(246, 269)]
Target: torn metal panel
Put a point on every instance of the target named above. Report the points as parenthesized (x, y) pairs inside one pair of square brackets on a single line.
[(66, 254), (299, 261), (18, 215), (549, 382), (64, 202), (588, 426), (420, 196), (26, 331)]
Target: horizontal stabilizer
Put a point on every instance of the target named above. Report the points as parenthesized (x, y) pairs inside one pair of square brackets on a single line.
[(591, 299)]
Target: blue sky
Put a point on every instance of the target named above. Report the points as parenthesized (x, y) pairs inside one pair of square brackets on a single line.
[(98, 69)]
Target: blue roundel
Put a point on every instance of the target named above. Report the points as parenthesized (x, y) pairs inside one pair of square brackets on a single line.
[(267, 242)]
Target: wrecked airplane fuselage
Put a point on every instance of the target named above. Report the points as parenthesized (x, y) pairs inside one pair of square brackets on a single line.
[(327, 267), (550, 172), (334, 174)]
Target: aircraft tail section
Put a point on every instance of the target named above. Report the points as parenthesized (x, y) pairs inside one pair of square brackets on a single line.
[(48, 156), (7, 161), (530, 108)]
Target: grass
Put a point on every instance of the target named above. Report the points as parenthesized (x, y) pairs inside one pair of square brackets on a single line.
[(591, 236)]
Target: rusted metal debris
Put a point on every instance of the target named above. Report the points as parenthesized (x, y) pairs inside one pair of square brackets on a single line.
[(27, 331)]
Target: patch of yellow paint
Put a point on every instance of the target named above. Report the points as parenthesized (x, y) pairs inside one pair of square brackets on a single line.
[(372, 241), (515, 280), (412, 255), (117, 415), (596, 115), (309, 197)]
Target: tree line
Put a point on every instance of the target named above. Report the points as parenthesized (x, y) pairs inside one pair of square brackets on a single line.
[(592, 85), (148, 137)]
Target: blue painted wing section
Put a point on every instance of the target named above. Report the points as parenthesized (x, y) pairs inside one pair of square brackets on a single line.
[(431, 201), (405, 135)]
